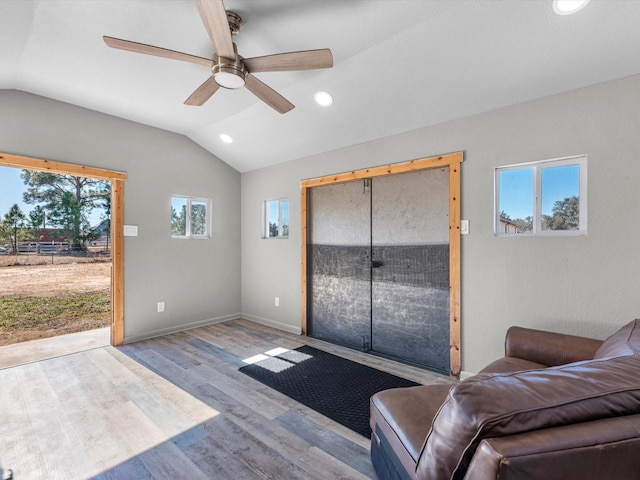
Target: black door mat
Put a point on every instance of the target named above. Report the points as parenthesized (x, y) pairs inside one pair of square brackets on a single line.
[(334, 386)]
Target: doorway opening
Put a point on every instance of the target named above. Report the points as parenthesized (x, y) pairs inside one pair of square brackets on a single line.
[(381, 261), (115, 237)]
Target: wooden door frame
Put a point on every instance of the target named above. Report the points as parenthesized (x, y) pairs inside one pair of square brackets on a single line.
[(452, 161), (117, 224)]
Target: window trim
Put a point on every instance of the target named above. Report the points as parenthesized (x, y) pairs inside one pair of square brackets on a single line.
[(538, 166), (208, 223), (265, 219)]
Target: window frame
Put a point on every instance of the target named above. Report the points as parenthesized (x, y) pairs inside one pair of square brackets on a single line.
[(538, 167), (208, 223), (265, 219)]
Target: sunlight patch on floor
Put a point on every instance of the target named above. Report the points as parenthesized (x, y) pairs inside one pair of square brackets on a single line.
[(277, 360)]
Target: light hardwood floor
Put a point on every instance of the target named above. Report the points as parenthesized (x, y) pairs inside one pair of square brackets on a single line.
[(175, 407)]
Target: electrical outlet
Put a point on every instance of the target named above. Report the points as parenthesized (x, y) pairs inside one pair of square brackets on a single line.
[(160, 307), (277, 301)]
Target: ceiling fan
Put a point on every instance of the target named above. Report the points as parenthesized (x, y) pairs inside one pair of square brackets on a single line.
[(228, 69)]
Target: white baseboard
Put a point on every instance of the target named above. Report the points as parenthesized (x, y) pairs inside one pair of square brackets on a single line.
[(180, 328), (272, 323)]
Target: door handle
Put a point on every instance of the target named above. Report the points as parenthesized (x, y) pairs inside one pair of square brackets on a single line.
[(376, 264)]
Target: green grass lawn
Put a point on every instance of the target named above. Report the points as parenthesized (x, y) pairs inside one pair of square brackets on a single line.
[(26, 318)]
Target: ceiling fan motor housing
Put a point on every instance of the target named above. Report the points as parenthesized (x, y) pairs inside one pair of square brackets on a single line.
[(235, 22), (229, 73)]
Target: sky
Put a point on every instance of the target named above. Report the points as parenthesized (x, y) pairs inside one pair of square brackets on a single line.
[(11, 189), (516, 189)]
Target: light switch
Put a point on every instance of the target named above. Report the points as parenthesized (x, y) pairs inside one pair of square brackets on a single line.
[(130, 231), (464, 227)]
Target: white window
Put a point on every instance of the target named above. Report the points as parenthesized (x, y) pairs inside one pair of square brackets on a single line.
[(275, 219), (542, 198), (190, 217)]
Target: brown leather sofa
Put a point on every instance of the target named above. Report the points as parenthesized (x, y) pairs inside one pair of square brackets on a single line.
[(555, 407)]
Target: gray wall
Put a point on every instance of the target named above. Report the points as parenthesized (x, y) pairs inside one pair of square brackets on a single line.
[(584, 285), (198, 279)]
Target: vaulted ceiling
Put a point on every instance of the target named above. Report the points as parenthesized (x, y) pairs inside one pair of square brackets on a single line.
[(398, 64)]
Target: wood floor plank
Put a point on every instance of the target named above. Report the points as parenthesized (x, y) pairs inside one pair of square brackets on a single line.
[(36, 390), (63, 453), (134, 428), (263, 460), (266, 334), (217, 462), (156, 408), (132, 468), (99, 437), (215, 351), (168, 462), (19, 449), (348, 452), (235, 386), (235, 342), (182, 400), (103, 393), (176, 407), (92, 425), (316, 462)]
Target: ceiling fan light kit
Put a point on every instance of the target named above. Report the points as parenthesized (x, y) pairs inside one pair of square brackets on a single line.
[(229, 73), (227, 76), (228, 69)]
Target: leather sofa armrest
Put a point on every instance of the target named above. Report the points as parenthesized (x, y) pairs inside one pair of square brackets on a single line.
[(604, 449), (549, 348)]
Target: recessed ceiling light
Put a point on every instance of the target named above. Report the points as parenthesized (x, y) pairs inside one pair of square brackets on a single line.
[(323, 99), (225, 138), (567, 7)]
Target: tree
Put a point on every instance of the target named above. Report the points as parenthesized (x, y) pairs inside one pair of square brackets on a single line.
[(37, 217), (70, 200), (13, 223), (565, 215), (66, 215), (179, 221), (106, 217), (524, 225), (198, 218), (5, 234), (273, 229)]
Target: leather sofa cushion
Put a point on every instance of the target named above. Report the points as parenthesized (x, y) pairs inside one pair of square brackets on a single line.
[(548, 348), (625, 341), (492, 405), (404, 416), (511, 364), (605, 449)]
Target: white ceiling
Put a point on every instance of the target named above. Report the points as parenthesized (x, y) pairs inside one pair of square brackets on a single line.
[(398, 64)]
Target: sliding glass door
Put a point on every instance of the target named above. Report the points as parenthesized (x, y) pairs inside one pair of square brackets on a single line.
[(378, 275), (339, 258), (410, 281)]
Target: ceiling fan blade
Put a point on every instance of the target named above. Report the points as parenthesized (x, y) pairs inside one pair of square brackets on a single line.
[(215, 21), (202, 93), (155, 51), (280, 62), (268, 95)]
